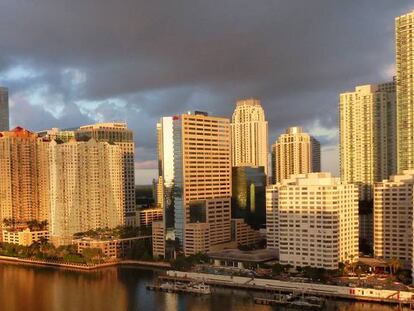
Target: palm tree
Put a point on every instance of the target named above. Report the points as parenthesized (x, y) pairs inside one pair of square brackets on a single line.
[(394, 264), (351, 262), (9, 222), (43, 225)]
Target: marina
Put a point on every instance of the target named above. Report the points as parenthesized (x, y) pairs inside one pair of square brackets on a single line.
[(272, 287), (124, 288)]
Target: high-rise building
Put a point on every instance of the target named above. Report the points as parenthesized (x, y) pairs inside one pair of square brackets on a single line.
[(393, 217), (194, 155), (165, 148), (86, 187), (405, 90), (249, 135), (4, 109), (248, 195), (295, 152), (367, 136), (202, 176), (117, 133), (312, 220), (23, 182)]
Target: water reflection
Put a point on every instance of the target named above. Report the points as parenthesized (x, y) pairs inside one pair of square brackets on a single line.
[(121, 289)]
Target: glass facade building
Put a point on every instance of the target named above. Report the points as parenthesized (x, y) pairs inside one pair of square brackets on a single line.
[(248, 195)]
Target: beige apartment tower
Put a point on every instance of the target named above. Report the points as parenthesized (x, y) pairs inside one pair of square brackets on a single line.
[(295, 152), (86, 187), (117, 133), (249, 134), (312, 220), (367, 136), (404, 35), (393, 217), (24, 180)]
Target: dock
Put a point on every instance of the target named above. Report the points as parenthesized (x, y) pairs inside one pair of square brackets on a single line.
[(192, 288), (270, 286), (296, 301)]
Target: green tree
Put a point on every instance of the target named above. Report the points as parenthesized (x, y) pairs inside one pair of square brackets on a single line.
[(92, 255), (404, 276), (182, 263), (140, 250)]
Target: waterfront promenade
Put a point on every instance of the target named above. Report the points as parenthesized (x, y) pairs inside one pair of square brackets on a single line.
[(330, 291), (84, 267)]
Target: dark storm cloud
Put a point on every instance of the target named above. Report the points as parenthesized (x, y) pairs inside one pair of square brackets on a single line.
[(82, 61)]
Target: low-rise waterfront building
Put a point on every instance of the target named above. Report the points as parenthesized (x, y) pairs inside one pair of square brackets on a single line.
[(242, 259), (24, 237), (111, 248)]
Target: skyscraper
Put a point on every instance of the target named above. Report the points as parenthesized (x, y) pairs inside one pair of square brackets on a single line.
[(367, 136), (202, 175), (405, 89), (86, 187), (117, 133), (312, 219), (393, 217), (195, 168), (4, 109), (295, 152), (249, 135), (165, 187), (23, 181)]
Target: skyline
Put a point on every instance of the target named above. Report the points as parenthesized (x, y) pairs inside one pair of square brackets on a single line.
[(149, 72), (266, 149)]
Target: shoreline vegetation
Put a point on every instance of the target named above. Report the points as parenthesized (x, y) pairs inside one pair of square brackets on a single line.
[(42, 252)]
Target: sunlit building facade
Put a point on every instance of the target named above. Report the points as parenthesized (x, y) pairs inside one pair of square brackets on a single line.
[(117, 133), (368, 136), (295, 152), (249, 134), (86, 187), (24, 180), (405, 90), (194, 156), (393, 217), (202, 175), (313, 220)]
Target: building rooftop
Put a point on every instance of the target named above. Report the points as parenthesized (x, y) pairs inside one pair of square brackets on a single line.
[(108, 125), (18, 132), (257, 256)]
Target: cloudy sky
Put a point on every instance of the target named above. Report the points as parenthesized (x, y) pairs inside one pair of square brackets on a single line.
[(72, 62)]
